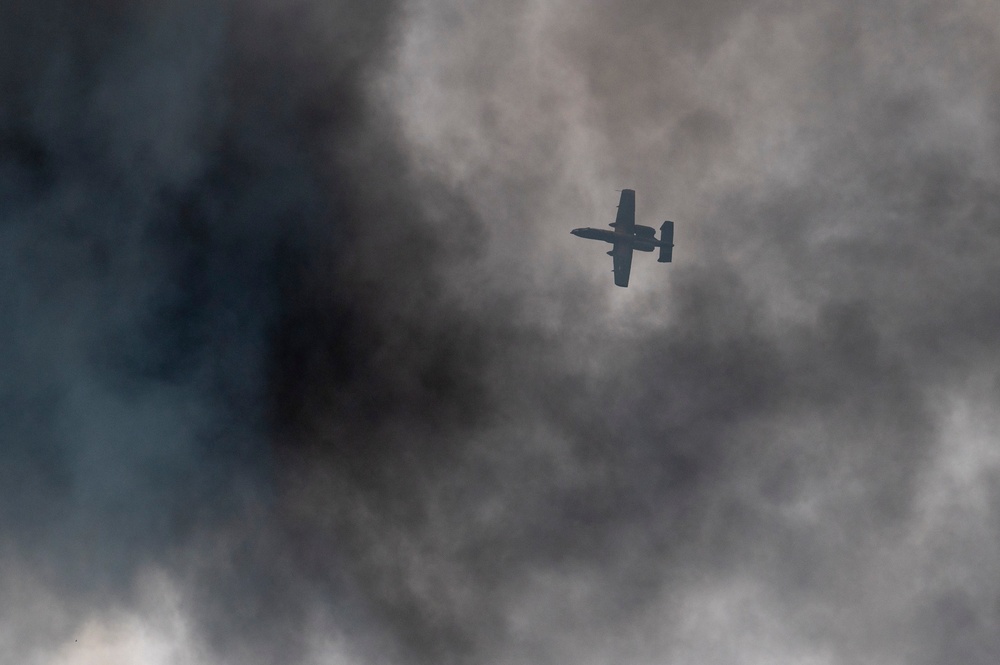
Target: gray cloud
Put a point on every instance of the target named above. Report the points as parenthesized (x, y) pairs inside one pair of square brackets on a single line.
[(296, 322)]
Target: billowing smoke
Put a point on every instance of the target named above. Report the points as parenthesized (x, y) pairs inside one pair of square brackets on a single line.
[(303, 366)]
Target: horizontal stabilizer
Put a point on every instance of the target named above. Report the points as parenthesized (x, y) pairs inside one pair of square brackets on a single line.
[(666, 242)]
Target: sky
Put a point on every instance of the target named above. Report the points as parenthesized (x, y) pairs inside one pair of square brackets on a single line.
[(300, 364)]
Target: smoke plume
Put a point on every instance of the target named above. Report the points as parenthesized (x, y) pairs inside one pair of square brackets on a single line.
[(301, 364)]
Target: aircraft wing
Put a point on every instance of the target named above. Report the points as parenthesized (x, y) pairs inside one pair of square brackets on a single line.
[(625, 219), (622, 254)]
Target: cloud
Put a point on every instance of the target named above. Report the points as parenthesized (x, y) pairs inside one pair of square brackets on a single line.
[(297, 325)]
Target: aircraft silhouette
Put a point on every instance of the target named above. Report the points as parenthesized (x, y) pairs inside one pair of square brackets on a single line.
[(627, 236)]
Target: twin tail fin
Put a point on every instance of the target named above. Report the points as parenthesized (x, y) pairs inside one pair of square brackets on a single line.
[(666, 242)]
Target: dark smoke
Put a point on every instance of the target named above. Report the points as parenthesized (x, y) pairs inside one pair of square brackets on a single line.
[(294, 321)]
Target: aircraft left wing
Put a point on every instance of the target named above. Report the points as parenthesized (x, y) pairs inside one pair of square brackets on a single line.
[(622, 255), (625, 219)]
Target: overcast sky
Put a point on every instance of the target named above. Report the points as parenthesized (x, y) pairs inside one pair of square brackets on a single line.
[(299, 362)]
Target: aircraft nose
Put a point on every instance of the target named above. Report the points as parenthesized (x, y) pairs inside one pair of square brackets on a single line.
[(575, 232)]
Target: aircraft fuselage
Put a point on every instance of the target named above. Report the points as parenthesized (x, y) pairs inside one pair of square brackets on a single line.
[(635, 242)]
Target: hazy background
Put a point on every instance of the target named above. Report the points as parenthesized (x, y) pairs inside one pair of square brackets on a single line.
[(300, 363)]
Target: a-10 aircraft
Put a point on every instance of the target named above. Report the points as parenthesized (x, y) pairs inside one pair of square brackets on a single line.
[(627, 236)]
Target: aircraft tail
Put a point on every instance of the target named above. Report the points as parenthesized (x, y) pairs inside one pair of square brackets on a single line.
[(666, 242)]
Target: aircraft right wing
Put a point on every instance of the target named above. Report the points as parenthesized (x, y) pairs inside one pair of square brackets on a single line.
[(625, 219), (622, 255)]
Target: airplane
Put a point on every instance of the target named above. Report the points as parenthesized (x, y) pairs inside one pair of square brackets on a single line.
[(627, 236)]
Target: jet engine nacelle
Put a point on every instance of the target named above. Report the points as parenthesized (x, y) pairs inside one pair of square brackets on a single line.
[(644, 231)]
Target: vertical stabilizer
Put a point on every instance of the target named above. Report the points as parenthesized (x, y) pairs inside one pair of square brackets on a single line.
[(666, 242)]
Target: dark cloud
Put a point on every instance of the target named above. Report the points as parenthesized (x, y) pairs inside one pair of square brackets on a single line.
[(218, 266), (295, 321)]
